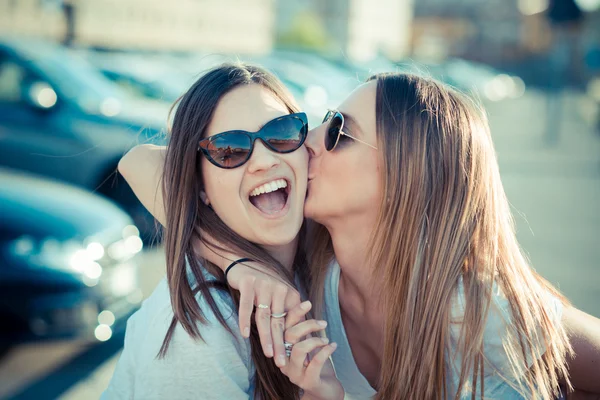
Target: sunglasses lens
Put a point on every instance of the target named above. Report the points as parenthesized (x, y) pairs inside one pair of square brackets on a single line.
[(333, 131), (285, 135), (230, 150)]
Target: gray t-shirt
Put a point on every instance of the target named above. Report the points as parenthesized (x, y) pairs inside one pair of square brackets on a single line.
[(356, 385), (220, 367)]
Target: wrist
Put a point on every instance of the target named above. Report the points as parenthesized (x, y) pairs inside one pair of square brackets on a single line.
[(235, 263)]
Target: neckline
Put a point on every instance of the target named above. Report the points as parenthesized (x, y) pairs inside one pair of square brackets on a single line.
[(357, 377)]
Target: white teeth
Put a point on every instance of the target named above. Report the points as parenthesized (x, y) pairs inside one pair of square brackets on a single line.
[(269, 187)]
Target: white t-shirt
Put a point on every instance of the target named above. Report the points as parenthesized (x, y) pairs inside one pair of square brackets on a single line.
[(356, 385), (220, 367)]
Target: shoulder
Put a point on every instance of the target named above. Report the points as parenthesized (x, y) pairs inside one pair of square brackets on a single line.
[(220, 358), (499, 318), (498, 330), (151, 323)]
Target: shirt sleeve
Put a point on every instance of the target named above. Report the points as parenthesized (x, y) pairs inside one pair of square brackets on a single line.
[(500, 322), (214, 367), (496, 332)]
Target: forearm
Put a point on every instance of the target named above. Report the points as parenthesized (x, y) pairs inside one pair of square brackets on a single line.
[(142, 167), (579, 395), (584, 334)]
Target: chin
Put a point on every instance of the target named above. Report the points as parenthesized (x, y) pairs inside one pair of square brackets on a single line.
[(283, 235), (309, 210), (278, 238)]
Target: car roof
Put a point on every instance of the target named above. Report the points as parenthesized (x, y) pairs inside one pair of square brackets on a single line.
[(41, 208)]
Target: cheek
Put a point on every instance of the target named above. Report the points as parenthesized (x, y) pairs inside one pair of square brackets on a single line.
[(353, 180), (221, 186), (301, 163), (298, 162)]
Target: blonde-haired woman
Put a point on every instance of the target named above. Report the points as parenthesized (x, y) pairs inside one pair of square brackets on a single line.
[(415, 263)]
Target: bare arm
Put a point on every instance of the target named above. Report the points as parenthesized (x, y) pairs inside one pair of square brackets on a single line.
[(142, 167), (584, 333)]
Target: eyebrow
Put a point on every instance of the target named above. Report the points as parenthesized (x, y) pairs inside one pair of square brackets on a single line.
[(353, 124)]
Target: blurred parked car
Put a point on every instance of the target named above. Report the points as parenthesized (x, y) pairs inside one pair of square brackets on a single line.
[(485, 80), (61, 118), (145, 76), (474, 78), (316, 83), (67, 261)]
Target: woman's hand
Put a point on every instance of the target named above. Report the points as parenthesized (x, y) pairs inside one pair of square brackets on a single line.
[(271, 296), (258, 286), (309, 365)]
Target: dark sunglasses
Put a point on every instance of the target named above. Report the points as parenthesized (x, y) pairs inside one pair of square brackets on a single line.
[(334, 130), (232, 149)]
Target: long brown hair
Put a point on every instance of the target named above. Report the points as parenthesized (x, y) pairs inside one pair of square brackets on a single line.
[(445, 219), (189, 220)]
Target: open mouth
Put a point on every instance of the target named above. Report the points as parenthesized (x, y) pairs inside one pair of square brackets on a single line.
[(271, 198)]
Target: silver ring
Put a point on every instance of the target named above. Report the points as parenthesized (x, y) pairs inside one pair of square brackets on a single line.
[(280, 315), (263, 306), (288, 349)]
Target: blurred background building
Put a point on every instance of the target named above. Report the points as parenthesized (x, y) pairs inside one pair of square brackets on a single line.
[(83, 81), (357, 29), (180, 25)]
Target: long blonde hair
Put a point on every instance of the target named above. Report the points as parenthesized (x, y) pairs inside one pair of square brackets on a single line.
[(445, 219)]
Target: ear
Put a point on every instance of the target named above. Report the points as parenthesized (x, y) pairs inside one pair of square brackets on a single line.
[(204, 198)]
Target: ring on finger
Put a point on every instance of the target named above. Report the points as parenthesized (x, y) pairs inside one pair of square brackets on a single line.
[(288, 348), (263, 306), (279, 315)]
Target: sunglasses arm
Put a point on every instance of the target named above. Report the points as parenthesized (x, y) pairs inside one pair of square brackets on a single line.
[(358, 140)]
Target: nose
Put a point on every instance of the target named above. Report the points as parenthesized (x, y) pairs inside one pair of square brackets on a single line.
[(262, 158), (315, 140)]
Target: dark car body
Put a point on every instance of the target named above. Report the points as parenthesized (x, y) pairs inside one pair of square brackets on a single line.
[(67, 261), (59, 117)]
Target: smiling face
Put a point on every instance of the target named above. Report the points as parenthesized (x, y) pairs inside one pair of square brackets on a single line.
[(263, 199), (346, 182)]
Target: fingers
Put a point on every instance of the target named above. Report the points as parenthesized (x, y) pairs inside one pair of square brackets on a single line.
[(295, 367), (263, 317), (292, 299), (278, 324), (312, 373), (297, 314), (246, 304), (297, 332)]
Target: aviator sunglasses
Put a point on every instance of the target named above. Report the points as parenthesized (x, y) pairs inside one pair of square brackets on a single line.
[(232, 149), (334, 130)]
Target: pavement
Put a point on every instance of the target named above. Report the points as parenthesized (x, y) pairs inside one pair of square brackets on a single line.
[(554, 190)]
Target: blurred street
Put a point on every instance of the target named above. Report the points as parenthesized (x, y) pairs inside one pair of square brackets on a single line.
[(555, 192), (45, 370)]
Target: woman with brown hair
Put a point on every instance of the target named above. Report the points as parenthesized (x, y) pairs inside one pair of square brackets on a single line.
[(415, 263), (234, 172)]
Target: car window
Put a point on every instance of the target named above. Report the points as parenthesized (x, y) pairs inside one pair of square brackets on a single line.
[(12, 78)]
